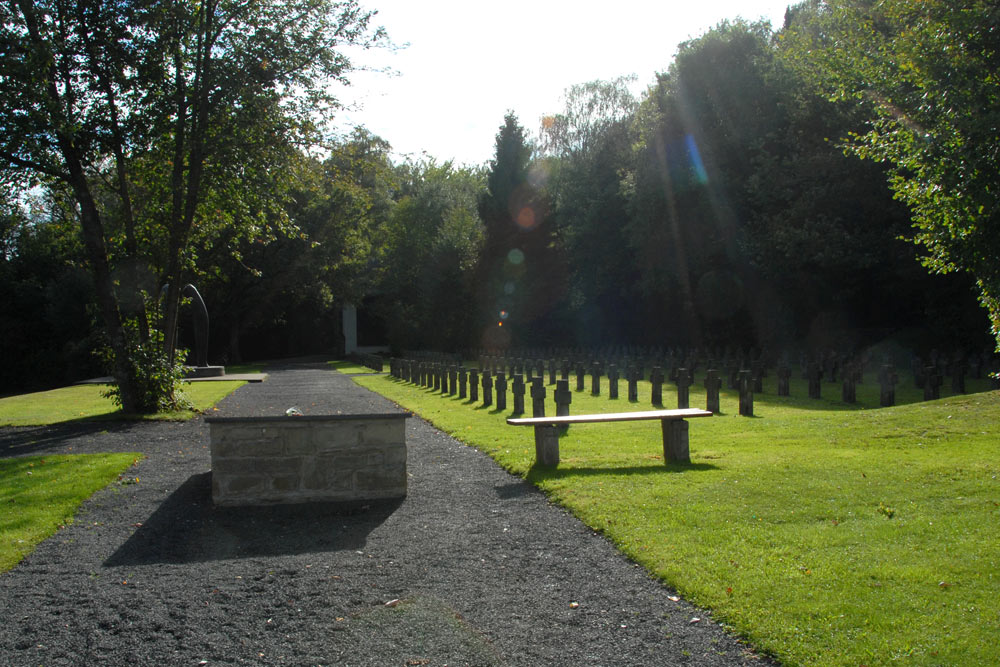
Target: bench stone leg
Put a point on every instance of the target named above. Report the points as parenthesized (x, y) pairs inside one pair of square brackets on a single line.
[(675, 441), (547, 445)]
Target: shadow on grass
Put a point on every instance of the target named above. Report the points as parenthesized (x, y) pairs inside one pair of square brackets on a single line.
[(25, 440), (188, 528), (538, 472)]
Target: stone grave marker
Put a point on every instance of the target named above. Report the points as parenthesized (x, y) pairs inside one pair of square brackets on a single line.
[(887, 379), (632, 377), (848, 392), (932, 383), (563, 397), (487, 388), (684, 381), (537, 397), (713, 383), (501, 387), (746, 394), (517, 389), (613, 382), (815, 376), (784, 378), (656, 379), (474, 385)]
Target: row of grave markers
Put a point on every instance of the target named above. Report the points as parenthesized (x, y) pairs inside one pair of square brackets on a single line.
[(447, 374), (454, 379)]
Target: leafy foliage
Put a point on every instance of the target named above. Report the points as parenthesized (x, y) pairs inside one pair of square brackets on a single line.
[(154, 116), (926, 71), (157, 377)]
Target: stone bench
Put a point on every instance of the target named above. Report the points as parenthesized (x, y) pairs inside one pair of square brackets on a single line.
[(675, 431), (314, 458)]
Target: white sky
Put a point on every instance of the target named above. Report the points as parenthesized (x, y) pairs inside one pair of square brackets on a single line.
[(467, 62)]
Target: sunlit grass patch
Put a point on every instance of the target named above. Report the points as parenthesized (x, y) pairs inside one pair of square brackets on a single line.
[(39, 494), (86, 402), (349, 367), (825, 533)]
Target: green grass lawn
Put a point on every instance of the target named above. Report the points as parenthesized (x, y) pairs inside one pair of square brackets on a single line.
[(38, 494), (350, 368), (85, 402), (824, 533)]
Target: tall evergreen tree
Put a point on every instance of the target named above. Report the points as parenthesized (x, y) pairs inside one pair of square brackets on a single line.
[(521, 277)]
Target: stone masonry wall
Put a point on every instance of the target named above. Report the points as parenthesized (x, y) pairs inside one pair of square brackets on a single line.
[(271, 460)]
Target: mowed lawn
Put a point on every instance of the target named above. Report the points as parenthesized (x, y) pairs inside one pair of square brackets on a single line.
[(39, 494), (824, 533), (86, 402)]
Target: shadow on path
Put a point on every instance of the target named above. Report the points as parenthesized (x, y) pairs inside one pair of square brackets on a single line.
[(188, 527)]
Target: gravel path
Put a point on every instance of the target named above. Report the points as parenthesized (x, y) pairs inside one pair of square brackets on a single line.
[(484, 569)]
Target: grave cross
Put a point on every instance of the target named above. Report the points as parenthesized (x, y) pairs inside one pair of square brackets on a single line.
[(632, 376), (887, 380), (746, 394), (474, 385), (815, 375), (849, 392), (501, 386), (932, 383), (563, 397), (517, 388), (595, 378), (684, 382), (487, 388), (537, 397), (463, 380), (784, 375), (712, 385), (656, 379), (580, 373), (613, 382)]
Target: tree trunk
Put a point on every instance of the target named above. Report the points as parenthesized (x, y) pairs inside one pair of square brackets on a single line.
[(91, 226)]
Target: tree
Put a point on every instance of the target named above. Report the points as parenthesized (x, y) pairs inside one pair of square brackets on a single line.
[(589, 146), (522, 277), (698, 130), (432, 242), (152, 113), (926, 72)]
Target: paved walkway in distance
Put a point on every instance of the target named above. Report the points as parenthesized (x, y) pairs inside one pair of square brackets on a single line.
[(474, 567)]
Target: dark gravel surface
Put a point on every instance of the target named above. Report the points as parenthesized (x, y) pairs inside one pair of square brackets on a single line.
[(483, 567)]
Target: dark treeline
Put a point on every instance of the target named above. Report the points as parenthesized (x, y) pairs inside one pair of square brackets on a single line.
[(720, 209)]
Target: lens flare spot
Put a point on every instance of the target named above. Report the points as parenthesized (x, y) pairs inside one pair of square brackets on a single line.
[(515, 256), (503, 315), (499, 324), (508, 287), (526, 218), (697, 166)]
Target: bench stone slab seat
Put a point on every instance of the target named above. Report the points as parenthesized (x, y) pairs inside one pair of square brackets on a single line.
[(675, 431), (311, 458)]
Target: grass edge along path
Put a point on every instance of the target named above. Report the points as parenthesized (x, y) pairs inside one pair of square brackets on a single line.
[(41, 494), (822, 533), (85, 402)]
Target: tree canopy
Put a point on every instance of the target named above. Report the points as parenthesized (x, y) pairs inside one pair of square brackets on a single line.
[(927, 72), (163, 120)]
